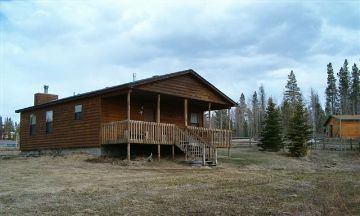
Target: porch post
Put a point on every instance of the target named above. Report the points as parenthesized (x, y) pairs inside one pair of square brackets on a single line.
[(229, 112), (158, 152), (158, 109), (128, 104), (128, 118), (209, 112), (173, 152), (128, 151), (186, 111), (209, 126)]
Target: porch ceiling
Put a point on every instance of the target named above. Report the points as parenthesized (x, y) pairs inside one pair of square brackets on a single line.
[(148, 96)]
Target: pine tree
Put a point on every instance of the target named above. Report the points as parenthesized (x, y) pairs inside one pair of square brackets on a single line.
[(262, 108), (331, 107), (299, 131), (355, 90), (344, 89), (255, 112), (240, 116), (271, 135), (317, 114), (9, 128), (292, 96), (292, 92)]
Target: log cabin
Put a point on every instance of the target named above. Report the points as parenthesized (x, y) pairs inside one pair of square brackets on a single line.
[(343, 126), (162, 111)]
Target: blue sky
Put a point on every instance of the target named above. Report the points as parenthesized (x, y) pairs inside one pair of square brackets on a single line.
[(79, 46)]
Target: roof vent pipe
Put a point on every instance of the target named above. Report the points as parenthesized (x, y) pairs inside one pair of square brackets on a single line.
[(134, 77), (46, 89)]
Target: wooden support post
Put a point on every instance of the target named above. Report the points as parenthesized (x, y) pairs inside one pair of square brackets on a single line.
[(229, 113), (209, 112), (158, 109), (186, 111), (158, 152), (204, 155), (173, 152), (128, 104), (216, 162), (128, 151)]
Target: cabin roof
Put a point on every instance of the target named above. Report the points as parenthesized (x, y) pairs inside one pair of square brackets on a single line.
[(343, 118), (131, 85)]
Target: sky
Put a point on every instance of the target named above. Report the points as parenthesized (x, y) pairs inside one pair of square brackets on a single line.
[(79, 46)]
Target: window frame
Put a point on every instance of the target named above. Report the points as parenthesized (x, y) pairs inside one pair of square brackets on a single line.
[(77, 113), (32, 124), (49, 122)]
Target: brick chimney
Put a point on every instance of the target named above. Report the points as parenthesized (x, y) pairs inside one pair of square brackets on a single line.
[(41, 98)]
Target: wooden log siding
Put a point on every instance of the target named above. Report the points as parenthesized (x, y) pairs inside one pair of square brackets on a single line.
[(217, 138)]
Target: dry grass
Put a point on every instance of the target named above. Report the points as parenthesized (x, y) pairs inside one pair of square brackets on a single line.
[(249, 183)]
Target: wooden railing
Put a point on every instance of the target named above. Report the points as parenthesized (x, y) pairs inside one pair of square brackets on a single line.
[(217, 138), (137, 132), (114, 132), (195, 142)]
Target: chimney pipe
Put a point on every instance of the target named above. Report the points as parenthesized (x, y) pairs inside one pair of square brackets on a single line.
[(134, 77), (46, 89)]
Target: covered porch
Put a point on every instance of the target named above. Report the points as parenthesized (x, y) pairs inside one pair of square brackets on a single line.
[(143, 117)]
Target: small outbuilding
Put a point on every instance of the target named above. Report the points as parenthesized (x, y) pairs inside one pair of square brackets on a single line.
[(343, 126)]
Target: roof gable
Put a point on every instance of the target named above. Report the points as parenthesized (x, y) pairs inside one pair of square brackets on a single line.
[(187, 85)]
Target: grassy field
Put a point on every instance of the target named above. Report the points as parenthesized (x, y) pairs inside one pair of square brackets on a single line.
[(248, 183)]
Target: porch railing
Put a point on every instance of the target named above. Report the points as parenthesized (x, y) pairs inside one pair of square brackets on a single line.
[(218, 138), (160, 133), (137, 132)]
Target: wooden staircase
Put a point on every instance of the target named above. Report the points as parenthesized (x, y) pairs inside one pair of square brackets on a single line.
[(195, 147)]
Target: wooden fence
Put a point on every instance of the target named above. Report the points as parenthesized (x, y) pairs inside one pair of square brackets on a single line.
[(336, 144)]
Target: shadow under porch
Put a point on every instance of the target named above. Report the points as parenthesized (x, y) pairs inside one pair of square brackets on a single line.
[(143, 151)]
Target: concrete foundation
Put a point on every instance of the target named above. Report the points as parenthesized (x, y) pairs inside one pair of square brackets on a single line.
[(91, 151)]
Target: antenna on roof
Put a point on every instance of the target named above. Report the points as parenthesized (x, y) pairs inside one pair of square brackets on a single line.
[(134, 77)]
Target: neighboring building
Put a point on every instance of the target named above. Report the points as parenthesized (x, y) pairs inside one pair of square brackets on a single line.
[(163, 110), (343, 126)]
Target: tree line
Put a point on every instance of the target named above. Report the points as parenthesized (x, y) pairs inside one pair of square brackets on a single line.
[(8, 128), (295, 120)]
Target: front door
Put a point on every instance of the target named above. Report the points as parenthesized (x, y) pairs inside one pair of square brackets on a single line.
[(149, 113)]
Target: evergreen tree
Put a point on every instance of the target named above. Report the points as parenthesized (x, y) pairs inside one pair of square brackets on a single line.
[(317, 114), (355, 90), (292, 92), (9, 128), (262, 108), (292, 96), (240, 116), (221, 119), (331, 93), (299, 131), (344, 89), (271, 135), (255, 113)]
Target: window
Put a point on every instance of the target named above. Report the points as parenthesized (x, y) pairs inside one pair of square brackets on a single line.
[(194, 119), (49, 121), (32, 124), (78, 110)]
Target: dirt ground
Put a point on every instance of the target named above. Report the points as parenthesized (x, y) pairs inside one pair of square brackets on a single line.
[(249, 183)]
